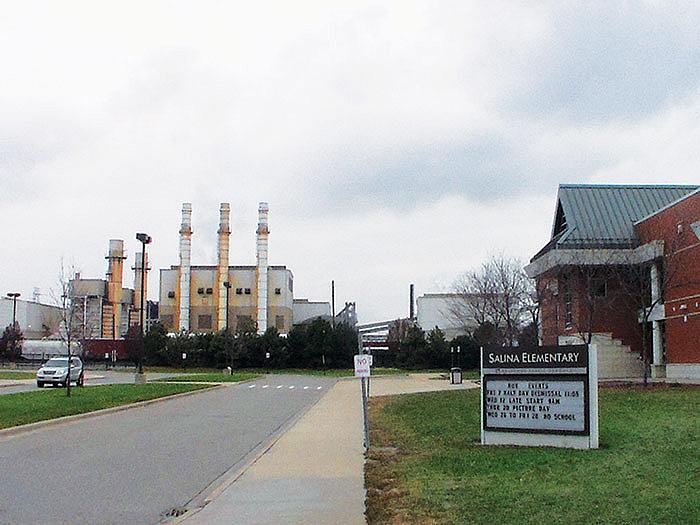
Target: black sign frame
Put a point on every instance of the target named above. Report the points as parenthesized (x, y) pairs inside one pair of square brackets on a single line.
[(583, 378)]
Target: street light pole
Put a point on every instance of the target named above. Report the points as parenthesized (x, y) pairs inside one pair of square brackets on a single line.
[(227, 285), (144, 239), (14, 296)]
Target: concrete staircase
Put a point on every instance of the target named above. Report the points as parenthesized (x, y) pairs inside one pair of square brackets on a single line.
[(615, 359)]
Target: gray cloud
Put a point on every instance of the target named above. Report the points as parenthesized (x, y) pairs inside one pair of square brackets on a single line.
[(614, 60), (486, 168)]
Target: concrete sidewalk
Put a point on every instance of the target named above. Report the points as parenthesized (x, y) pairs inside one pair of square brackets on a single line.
[(413, 384), (313, 474)]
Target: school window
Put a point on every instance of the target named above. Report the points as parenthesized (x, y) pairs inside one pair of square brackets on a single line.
[(204, 321), (247, 291), (239, 291), (599, 287), (279, 323), (278, 291)]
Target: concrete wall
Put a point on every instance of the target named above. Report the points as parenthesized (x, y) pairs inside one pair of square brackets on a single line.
[(436, 310), (32, 317), (305, 309)]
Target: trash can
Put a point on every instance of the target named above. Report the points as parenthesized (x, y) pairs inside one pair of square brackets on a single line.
[(456, 375)]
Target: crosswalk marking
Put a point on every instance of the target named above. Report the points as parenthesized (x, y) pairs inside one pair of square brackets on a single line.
[(291, 387)]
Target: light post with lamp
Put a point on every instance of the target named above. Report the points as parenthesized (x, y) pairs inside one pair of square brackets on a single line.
[(227, 285), (14, 296), (144, 239)]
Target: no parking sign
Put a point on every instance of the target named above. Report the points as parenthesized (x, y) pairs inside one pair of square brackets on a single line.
[(363, 363)]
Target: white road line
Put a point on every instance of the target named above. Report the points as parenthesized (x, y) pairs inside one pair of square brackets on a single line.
[(251, 386), (306, 388), (265, 386), (291, 387), (319, 387), (279, 386)]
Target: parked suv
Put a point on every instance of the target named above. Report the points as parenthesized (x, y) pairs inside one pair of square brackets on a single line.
[(55, 372)]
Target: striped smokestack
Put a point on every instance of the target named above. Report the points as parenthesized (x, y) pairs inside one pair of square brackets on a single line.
[(261, 258), (185, 253), (223, 249), (115, 274)]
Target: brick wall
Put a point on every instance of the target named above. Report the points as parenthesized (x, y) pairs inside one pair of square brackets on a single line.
[(682, 267), (616, 313)]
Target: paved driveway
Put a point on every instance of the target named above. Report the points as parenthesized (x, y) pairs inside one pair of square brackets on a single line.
[(131, 466)]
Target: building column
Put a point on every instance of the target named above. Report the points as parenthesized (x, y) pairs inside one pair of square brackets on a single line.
[(658, 368)]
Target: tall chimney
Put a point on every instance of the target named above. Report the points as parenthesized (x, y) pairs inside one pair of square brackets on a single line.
[(411, 308), (261, 258), (138, 270), (223, 248), (185, 251), (115, 274)]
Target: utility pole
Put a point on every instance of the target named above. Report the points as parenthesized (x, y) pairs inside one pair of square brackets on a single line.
[(333, 302)]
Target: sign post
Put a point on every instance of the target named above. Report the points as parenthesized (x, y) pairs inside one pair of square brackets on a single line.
[(540, 396), (362, 370)]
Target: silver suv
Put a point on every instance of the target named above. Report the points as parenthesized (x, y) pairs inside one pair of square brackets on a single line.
[(55, 372)]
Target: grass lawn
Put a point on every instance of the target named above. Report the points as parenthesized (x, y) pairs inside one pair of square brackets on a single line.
[(29, 407), (217, 377), (342, 372), (17, 375), (432, 469), (294, 371)]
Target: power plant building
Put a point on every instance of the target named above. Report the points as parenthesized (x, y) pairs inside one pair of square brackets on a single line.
[(104, 308), (194, 297)]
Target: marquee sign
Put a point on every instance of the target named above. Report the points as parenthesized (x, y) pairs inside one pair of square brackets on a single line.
[(545, 396)]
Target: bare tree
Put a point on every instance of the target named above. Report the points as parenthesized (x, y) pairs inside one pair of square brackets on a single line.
[(499, 293), (468, 305), (70, 327)]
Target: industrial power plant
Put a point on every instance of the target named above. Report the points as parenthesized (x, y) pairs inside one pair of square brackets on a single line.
[(215, 297)]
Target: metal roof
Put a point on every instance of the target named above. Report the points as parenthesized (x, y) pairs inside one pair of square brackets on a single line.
[(603, 216)]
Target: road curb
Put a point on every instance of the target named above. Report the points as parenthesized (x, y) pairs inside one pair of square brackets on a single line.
[(21, 429)]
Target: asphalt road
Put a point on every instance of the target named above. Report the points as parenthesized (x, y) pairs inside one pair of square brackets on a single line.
[(93, 377), (132, 466)]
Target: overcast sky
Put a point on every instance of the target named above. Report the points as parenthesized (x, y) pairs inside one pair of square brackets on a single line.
[(396, 142)]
